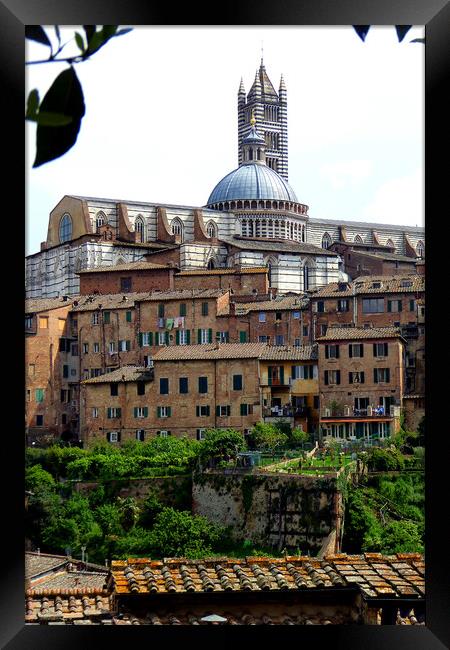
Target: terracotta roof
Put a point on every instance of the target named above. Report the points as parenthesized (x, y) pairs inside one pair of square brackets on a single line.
[(390, 257), (66, 581), (184, 294), (351, 333), (107, 301), (37, 563), (289, 353), (231, 617), (279, 246), (36, 305), (389, 283), (225, 271), (291, 303), (210, 351), (76, 608), (124, 373), (132, 266), (375, 576), (332, 290)]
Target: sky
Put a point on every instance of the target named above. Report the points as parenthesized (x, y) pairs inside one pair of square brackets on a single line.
[(161, 119)]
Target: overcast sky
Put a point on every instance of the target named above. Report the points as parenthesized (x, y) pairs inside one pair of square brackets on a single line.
[(161, 119)]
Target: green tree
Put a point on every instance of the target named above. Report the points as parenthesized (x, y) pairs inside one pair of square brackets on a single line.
[(267, 436), (129, 512), (298, 437), (178, 533), (221, 444)]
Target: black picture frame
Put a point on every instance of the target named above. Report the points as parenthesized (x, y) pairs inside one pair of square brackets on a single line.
[(435, 15)]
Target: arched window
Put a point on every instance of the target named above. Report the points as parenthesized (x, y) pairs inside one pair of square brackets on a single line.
[(326, 241), (100, 220), (139, 229), (358, 240), (306, 277), (177, 228), (420, 249), (65, 228), (211, 264), (211, 229)]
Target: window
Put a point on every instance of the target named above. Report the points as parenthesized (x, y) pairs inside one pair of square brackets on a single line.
[(297, 342), (381, 375), (302, 372), (96, 347), (278, 315), (412, 305), (182, 309), (145, 339), (63, 418), (203, 384), (163, 411), (39, 420), (107, 317), (201, 434), (114, 389), (85, 348), (31, 369), (148, 361), (223, 411), (305, 330), (356, 377), (140, 435), (113, 436), (242, 336), (124, 346), (64, 396), (264, 339), (222, 337), (113, 412), (332, 352), (95, 318), (320, 306), (183, 385), (326, 241), (43, 322), (112, 347), (164, 386), (204, 336), (356, 350), (95, 412), (380, 349), (65, 228), (177, 227), (161, 310), (28, 322), (100, 220), (323, 329), (162, 338), (343, 305), (65, 370), (246, 409), (211, 230), (237, 382), (96, 372), (296, 314), (279, 339), (332, 377), (139, 230), (64, 345), (163, 433), (28, 395), (420, 249), (125, 285), (202, 410), (74, 349), (262, 317), (140, 411), (204, 308), (394, 305), (316, 402), (140, 388), (373, 305), (39, 394), (183, 337), (128, 316)]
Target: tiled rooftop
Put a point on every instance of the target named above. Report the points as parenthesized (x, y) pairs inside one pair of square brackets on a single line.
[(279, 246), (376, 576), (225, 271), (210, 351), (289, 353), (133, 266), (374, 284), (281, 303), (127, 300), (37, 305), (353, 333), (36, 563), (124, 373)]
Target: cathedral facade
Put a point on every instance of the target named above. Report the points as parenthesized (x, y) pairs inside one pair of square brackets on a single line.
[(251, 218)]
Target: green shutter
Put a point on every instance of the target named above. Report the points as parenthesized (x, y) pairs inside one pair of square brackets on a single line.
[(188, 337), (128, 316), (269, 375), (217, 410), (207, 410), (388, 375), (199, 336), (140, 339), (169, 411), (282, 375), (108, 412), (400, 305), (228, 410), (389, 305), (119, 412), (158, 411), (243, 409), (128, 345), (375, 376), (197, 411), (338, 376), (166, 337), (150, 338), (210, 336), (177, 337), (135, 412), (325, 377), (242, 336)]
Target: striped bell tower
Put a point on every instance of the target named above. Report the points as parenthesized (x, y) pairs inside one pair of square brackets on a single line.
[(270, 111)]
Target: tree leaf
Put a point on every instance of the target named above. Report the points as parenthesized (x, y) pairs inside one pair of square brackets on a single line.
[(64, 98), (109, 31), (53, 119), (58, 34), (417, 40), (79, 41), (402, 30), (123, 31), (32, 105), (36, 33), (361, 30)]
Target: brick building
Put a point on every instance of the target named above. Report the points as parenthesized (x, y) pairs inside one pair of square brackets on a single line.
[(127, 278), (51, 371), (361, 381)]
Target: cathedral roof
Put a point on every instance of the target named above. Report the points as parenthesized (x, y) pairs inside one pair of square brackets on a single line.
[(267, 90), (252, 181)]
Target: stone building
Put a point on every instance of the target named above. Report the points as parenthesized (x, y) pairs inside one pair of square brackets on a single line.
[(51, 371), (252, 218), (361, 381)]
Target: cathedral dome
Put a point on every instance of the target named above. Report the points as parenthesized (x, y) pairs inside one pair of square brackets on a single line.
[(252, 181)]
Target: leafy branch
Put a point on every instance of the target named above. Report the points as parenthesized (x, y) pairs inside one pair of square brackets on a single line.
[(58, 116), (402, 30)]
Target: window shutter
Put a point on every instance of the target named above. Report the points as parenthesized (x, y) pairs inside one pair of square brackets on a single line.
[(218, 410), (166, 337), (243, 409), (388, 375), (169, 411), (326, 377), (337, 351), (140, 339), (118, 436), (375, 376), (199, 336), (400, 305), (338, 376), (135, 412), (327, 354), (188, 337), (282, 374), (177, 337), (210, 336), (108, 412), (350, 378), (197, 411), (361, 349), (269, 374), (389, 305), (128, 345), (374, 349), (362, 377), (158, 411), (293, 372), (150, 338), (145, 411), (207, 410), (385, 349), (311, 372), (108, 436), (250, 409), (119, 412), (228, 410), (350, 351)]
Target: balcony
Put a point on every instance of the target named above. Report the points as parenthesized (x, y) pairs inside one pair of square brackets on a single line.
[(350, 412), (285, 412), (409, 331)]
